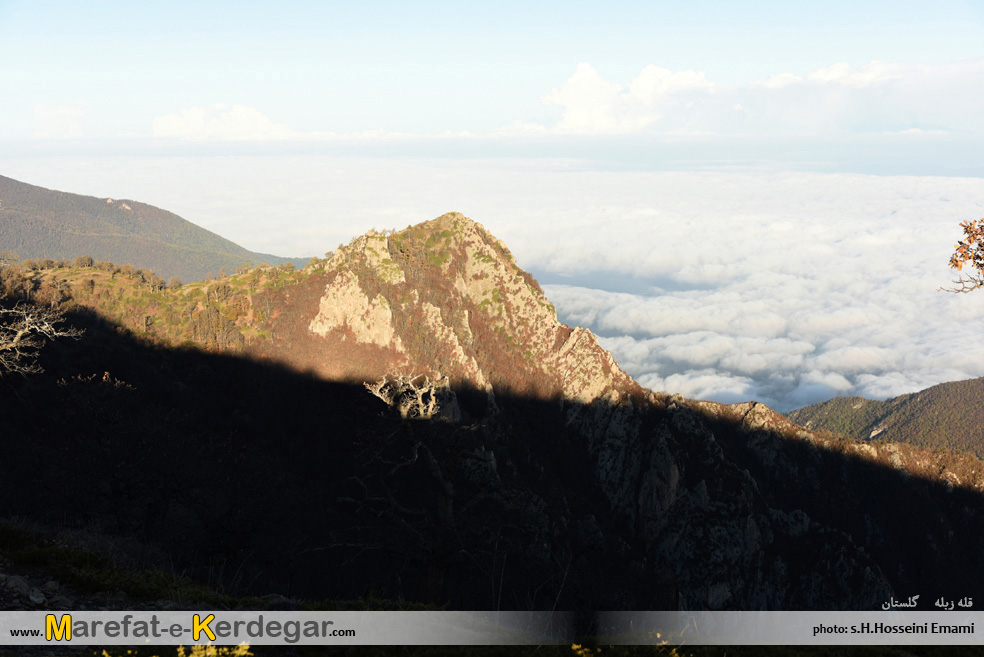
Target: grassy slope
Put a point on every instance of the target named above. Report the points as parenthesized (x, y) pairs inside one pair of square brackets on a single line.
[(41, 223)]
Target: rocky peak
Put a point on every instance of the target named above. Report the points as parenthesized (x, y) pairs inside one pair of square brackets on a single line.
[(447, 298)]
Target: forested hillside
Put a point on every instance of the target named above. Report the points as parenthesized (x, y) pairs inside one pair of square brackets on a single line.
[(947, 416)]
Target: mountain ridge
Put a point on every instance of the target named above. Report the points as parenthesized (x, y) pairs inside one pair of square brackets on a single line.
[(36, 222), (945, 416)]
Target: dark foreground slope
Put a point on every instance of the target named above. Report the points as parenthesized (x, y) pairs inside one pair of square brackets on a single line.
[(542, 477), (946, 416), (40, 223)]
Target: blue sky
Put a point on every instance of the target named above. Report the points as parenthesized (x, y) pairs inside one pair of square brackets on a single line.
[(750, 74), (822, 153)]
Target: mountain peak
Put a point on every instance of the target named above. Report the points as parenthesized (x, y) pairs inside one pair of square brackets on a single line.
[(446, 297)]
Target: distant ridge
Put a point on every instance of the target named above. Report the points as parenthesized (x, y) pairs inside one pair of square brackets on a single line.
[(948, 415), (41, 223)]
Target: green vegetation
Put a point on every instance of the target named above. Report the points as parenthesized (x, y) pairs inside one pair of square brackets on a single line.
[(217, 314), (425, 243)]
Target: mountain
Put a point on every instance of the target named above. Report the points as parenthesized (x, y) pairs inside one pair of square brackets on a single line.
[(946, 416), (40, 223), (408, 420)]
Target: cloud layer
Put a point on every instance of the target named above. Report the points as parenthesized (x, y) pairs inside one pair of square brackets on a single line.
[(221, 123), (786, 288)]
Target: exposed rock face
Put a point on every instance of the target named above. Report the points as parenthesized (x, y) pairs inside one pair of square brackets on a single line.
[(346, 306)]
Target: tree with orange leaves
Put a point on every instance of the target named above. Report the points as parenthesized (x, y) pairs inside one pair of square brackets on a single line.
[(969, 250)]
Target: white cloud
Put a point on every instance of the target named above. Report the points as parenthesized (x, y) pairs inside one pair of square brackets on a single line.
[(778, 81), (594, 106), (892, 384), (240, 123), (60, 121), (824, 285), (851, 360), (655, 83), (703, 384), (222, 123), (888, 99), (591, 105), (870, 74), (885, 98)]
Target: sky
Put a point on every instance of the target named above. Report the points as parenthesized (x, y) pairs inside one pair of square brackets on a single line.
[(748, 200)]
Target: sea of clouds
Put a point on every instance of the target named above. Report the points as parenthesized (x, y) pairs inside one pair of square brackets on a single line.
[(784, 287)]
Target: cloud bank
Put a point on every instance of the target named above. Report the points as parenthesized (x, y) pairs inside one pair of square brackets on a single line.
[(222, 123), (592, 105), (785, 288)]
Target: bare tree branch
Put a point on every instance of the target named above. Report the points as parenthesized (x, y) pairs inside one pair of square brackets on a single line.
[(966, 285), (23, 331)]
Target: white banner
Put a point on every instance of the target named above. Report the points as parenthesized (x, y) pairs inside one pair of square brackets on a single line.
[(281, 627), (490, 628)]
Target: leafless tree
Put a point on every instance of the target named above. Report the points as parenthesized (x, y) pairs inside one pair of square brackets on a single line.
[(23, 331)]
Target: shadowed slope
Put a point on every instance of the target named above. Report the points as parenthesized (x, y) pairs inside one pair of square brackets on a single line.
[(258, 479)]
